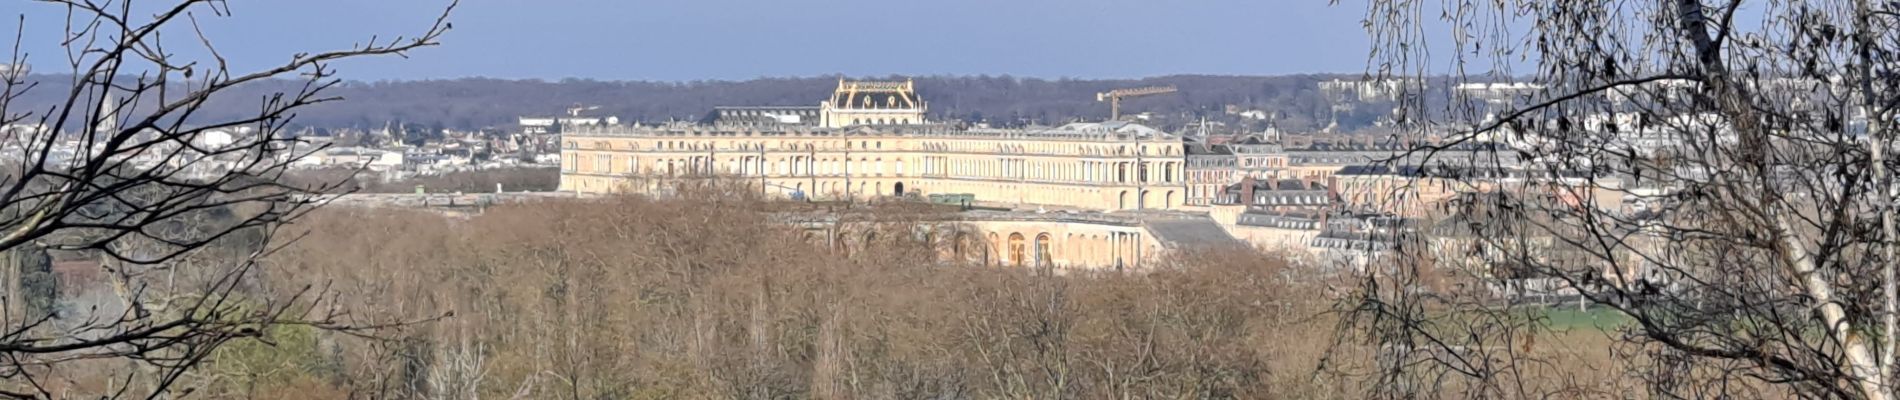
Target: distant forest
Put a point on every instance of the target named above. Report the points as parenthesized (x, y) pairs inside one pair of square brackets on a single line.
[(475, 103)]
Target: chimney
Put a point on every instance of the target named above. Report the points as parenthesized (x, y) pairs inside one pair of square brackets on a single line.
[(1246, 192)]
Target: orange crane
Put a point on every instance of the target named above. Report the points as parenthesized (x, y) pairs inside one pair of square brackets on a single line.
[(1114, 98)]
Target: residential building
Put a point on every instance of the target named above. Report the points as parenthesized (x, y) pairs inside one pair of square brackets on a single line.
[(1209, 169)]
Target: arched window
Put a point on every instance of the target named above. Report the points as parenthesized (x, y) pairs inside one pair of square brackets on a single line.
[(1044, 253), (957, 243), (988, 246), (1017, 250)]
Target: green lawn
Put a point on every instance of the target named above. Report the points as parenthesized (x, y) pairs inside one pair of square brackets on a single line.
[(1598, 318)]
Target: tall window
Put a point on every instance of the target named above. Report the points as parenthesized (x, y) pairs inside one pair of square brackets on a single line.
[(1016, 250), (1043, 256)]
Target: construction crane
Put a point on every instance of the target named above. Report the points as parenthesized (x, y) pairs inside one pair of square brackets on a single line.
[(1114, 98)]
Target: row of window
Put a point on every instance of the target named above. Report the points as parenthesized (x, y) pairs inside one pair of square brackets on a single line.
[(1263, 163), (604, 164), (1011, 168), (1049, 148), (1082, 171), (960, 146), (676, 145), (1018, 250), (882, 121), (1259, 220)]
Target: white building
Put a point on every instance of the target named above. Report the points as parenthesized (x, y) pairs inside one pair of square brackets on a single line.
[(872, 103), (539, 125), (10, 71)]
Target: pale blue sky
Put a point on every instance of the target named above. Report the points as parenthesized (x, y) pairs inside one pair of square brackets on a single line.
[(677, 40)]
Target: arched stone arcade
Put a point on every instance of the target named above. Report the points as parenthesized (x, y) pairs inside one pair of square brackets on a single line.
[(1007, 243)]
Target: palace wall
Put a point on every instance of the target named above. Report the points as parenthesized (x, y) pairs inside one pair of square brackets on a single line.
[(1094, 172)]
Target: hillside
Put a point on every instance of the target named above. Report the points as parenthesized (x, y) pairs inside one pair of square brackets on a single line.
[(474, 103)]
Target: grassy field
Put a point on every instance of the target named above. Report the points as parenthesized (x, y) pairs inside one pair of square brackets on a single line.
[(1594, 318)]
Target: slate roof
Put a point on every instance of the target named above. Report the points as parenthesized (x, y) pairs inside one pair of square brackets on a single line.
[(1203, 149), (1118, 127), (1186, 233), (881, 95), (1280, 185), (759, 115), (1252, 139), (1454, 171)]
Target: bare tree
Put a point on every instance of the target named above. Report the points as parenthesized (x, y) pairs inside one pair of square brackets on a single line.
[(1715, 170), (123, 167)]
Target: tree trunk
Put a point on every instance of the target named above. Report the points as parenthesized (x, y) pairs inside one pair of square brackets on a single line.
[(1733, 102), (1877, 144)]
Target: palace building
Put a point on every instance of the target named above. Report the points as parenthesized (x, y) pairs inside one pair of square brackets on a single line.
[(872, 103), (871, 140), (1082, 195)]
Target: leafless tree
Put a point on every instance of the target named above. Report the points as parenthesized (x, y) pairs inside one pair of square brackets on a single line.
[(124, 167), (1716, 170)]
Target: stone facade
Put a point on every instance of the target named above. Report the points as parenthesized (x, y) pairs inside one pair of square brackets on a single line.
[(1210, 168), (872, 141), (1064, 240), (1091, 166)]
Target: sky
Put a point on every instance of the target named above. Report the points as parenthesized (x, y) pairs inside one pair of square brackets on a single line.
[(685, 40)]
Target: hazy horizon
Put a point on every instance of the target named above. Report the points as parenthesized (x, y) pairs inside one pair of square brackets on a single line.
[(872, 77), (730, 40)]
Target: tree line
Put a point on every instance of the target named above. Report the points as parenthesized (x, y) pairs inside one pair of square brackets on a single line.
[(649, 299), (475, 103)]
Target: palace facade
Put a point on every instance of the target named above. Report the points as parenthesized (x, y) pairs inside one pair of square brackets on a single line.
[(871, 141)]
